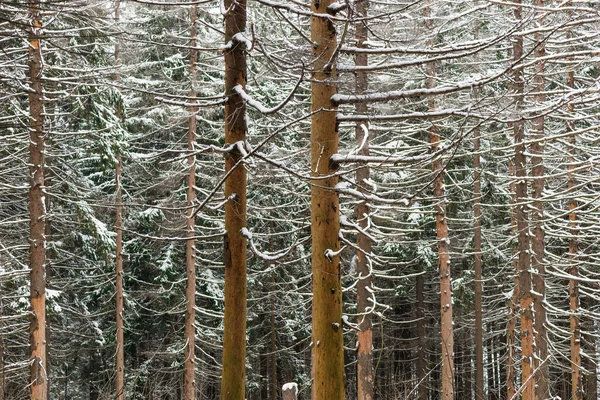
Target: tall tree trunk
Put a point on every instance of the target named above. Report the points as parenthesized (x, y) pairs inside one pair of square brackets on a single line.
[(364, 365), (233, 379), (189, 376), (477, 239), (590, 385), (522, 219), (37, 212), (2, 376), (576, 379), (477, 266), (120, 344), (537, 219), (513, 307), (466, 358), (492, 393), (576, 387), (274, 386), (443, 240), (422, 342), (327, 339)]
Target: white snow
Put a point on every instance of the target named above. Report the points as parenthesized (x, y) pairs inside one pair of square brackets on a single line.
[(293, 386)]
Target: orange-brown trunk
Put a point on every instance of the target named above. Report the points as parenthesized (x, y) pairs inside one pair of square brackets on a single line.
[(189, 375), (327, 339), (37, 212), (233, 378)]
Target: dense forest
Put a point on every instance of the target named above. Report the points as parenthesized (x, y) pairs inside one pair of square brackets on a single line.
[(324, 199)]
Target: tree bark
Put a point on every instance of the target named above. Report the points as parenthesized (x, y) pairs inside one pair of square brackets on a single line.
[(37, 212), (327, 339), (189, 375), (477, 239), (522, 219), (513, 306), (590, 384), (537, 219), (2, 376), (422, 343), (477, 267), (364, 365), (120, 342), (233, 379), (290, 392), (443, 241), (576, 378), (273, 338)]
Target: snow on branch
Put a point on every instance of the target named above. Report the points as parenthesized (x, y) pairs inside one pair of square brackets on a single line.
[(336, 7), (264, 256), (459, 112), (401, 159), (298, 10), (329, 254), (344, 188), (239, 37), (344, 222), (338, 99), (241, 146), (250, 101), (186, 104)]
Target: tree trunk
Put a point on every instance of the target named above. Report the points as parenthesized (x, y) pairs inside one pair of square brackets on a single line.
[(233, 379), (273, 385), (590, 384), (491, 395), (466, 366), (537, 219), (576, 379), (522, 219), (576, 388), (290, 391), (477, 266), (120, 342), (37, 212), (422, 344), (513, 307), (364, 365), (327, 339), (439, 194), (477, 239), (189, 381), (2, 377)]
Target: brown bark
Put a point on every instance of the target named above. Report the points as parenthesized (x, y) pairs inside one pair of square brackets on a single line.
[(120, 356), (364, 365), (327, 339), (120, 342), (576, 381), (443, 241), (234, 342), (513, 306), (477, 241), (2, 376), (37, 212), (537, 220), (189, 375), (274, 385), (491, 381), (590, 379), (422, 344), (477, 266), (522, 219), (290, 392)]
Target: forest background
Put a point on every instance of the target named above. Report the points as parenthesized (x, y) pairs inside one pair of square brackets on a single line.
[(372, 199)]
